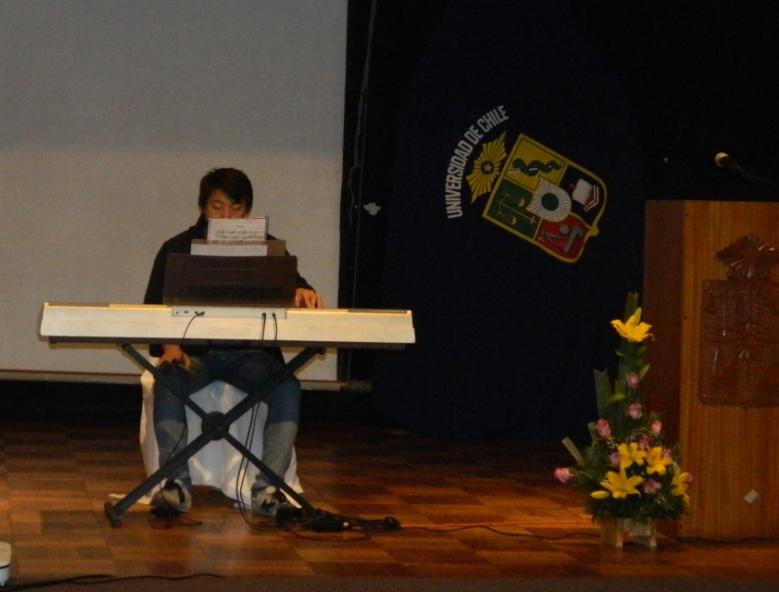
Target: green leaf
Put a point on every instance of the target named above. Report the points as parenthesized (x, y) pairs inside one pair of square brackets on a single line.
[(631, 304), (573, 450), (602, 389)]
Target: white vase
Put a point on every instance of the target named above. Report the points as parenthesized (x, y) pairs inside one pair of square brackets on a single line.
[(617, 531)]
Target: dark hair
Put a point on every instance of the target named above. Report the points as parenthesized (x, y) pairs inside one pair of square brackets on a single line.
[(234, 183)]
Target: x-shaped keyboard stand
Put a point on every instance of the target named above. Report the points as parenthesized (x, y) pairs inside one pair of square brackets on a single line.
[(215, 426)]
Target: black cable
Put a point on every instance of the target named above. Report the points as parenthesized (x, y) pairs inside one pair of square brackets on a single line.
[(243, 468), (363, 535), (329, 523), (94, 579), (262, 330), (490, 528), (728, 541), (198, 313), (275, 327), (358, 163), (360, 125), (170, 511), (503, 532), (322, 521), (239, 481)]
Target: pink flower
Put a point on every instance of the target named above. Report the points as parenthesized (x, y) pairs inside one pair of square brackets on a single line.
[(643, 443), (615, 458), (651, 486), (667, 453), (632, 380), (563, 474), (603, 428), (635, 411), (656, 427)]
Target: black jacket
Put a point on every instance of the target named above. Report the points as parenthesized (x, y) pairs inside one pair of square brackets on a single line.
[(181, 243)]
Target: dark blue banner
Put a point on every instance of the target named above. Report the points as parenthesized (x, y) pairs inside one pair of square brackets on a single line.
[(515, 225)]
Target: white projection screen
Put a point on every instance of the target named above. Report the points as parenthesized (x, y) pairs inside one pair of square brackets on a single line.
[(111, 112)]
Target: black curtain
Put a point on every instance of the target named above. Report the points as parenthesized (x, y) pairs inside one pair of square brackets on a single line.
[(637, 97)]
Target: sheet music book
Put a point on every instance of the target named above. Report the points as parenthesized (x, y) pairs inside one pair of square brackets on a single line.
[(273, 248), (237, 230)]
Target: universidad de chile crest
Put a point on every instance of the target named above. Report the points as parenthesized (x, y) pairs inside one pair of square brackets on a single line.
[(535, 194)]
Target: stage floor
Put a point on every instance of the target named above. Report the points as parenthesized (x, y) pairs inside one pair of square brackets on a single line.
[(469, 510)]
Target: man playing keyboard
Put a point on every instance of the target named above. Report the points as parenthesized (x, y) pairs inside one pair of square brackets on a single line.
[(224, 193)]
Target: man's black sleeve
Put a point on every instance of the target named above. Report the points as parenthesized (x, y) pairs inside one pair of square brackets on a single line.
[(156, 278), (154, 290)]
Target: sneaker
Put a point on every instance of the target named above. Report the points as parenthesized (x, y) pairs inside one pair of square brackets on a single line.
[(266, 502), (174, 498)]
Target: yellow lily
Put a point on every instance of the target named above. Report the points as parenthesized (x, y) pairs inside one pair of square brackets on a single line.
[(620, 485), (633, 330), (629, 454), (657, 461), (679, 485)]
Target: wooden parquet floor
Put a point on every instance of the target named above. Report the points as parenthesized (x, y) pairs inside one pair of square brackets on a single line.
[(55, 477)]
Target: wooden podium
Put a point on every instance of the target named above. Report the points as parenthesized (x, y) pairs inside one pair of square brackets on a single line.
[(731, 449)]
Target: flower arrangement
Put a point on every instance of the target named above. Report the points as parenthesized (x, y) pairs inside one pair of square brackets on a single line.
[(627, 471)]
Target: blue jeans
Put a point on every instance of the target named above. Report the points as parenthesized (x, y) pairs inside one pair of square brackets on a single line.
[(246, 370)]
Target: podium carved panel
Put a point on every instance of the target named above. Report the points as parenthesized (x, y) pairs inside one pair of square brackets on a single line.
[(740, 329)]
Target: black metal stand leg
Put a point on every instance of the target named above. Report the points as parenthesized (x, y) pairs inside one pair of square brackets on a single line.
[(214, 427)]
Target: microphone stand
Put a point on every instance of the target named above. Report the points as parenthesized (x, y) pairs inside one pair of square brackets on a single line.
[(724, 161), (762, 183)]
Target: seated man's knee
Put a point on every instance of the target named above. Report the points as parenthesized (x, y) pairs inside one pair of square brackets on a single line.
[(291, 388)]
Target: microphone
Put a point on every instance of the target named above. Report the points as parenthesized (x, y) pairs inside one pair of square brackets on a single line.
[(724, 161)]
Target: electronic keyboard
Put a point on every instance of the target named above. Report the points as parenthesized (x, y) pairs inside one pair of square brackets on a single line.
[(152, 323)]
